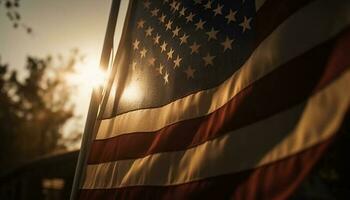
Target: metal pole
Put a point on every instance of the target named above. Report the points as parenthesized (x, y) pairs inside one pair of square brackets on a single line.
[(94, 102)]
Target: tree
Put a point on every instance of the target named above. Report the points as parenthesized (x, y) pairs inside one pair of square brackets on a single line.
[(34, 111)]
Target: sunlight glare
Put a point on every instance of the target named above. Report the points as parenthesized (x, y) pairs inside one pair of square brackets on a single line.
[(132, 92), (95, 77), (89, 75)]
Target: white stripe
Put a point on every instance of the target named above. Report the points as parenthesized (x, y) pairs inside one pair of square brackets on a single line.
[(308, 27), (264, 142)]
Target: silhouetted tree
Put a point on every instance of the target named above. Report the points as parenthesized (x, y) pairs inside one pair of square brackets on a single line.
[(34, 111)]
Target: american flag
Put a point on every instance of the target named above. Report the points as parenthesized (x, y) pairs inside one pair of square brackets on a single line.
[(220, 99)]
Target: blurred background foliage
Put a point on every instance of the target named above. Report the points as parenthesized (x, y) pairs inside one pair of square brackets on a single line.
[(35, 111), (12, 8)]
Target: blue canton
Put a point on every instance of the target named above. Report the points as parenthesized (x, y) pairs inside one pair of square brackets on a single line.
[(181, 47)]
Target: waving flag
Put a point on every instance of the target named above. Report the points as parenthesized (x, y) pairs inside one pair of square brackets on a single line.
[(220, 99)]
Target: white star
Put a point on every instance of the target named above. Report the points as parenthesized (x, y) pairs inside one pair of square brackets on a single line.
[(135, 44), (190, 72), (146, 4), (170, 53), (212, 34), (156, 39), (231, 17), (143, 52), (149, 31), (182, 12), (160, 69), (177, 7), (208, 60), (184, 38), (168, 25), (163, 47), (189, 18), (245, 24), (227, 44), (199, 24), (173, 5), (162, 18), (177, 62), (207, 5), (176, 31), (218, 10), (194, 48), (140, 23), (151, 61), (166, 78), (154, 12)]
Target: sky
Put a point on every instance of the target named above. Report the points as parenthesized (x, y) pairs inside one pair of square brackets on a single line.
[(58, 27)]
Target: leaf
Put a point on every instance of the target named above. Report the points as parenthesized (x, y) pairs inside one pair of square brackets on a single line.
[(18, 16), (8, 4), (9, 15)]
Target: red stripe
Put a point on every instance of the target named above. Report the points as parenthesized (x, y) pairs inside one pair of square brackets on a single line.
[(274, 181), (288, 85)]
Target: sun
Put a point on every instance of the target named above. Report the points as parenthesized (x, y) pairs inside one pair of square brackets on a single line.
[(88, 75), (91, 76)]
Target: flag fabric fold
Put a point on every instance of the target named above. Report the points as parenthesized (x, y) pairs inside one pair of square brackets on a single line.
[(221, 99)]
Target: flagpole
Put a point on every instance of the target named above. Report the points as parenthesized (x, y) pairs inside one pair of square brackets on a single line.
[(95, 99)]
